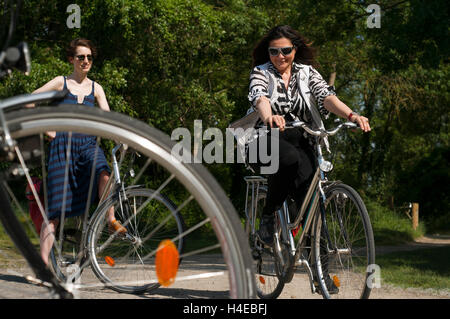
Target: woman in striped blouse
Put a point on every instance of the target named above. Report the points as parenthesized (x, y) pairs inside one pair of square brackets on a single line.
[(274, 93)]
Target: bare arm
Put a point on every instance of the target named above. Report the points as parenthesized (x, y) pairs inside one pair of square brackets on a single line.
[(101, 97), (265, 113), (56, 84), (336, 106)]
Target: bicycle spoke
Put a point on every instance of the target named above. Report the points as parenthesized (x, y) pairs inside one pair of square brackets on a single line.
[(16, 202), (63, 207), (160, 225), (200, 251), (43, 170), (181, 235)]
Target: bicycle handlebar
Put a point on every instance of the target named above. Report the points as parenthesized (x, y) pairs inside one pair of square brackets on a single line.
[(319, 132)]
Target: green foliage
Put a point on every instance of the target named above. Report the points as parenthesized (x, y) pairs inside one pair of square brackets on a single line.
[(171, 62), (428, 183)]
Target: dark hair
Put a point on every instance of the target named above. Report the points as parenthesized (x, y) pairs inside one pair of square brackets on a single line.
[(71, 49), (305, 53)]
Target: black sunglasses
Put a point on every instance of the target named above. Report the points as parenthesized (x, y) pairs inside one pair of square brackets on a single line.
[(81, 57), (285, 51)]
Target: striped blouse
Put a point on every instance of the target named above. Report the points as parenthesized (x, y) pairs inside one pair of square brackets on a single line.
[(290, 102)]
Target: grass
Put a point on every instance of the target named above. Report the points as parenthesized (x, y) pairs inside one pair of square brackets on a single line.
[(9, 254), (422, 268), (391, 228)]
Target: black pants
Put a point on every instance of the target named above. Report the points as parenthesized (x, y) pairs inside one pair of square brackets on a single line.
[(297, 165)]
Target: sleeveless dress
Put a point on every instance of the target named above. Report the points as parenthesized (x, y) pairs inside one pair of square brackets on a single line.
[(82, 154)]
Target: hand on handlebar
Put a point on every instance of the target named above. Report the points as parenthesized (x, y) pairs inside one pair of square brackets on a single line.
[(276, 121), (363, 122), (50, 135)]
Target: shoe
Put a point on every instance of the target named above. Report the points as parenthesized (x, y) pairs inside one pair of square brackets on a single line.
[(266, 230), (331, 286), (116, 227)]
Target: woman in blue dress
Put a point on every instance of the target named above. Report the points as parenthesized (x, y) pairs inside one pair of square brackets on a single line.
[(84, 151)]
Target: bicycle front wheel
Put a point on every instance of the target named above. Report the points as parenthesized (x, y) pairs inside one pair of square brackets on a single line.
[(153, 218), (219, 259), (344, 247)]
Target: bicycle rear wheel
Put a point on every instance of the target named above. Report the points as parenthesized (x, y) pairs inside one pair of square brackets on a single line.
[(153, 218), (344, 247), (269, 284), (214, 237)]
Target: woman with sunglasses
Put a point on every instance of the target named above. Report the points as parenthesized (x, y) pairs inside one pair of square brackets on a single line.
[(84, 148), (276, 95), (275, 92)]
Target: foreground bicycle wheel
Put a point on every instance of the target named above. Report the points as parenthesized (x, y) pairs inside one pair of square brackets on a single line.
[(344, 245), (213, 235), (131, 259), (268, 282)]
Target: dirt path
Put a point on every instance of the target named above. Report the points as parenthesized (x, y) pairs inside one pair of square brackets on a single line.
[(428, 241), (13, 285)]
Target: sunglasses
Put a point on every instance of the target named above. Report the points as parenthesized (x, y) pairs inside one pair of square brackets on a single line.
[(81, 57), (284, 51)]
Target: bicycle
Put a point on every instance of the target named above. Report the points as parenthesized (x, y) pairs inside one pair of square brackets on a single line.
[(210, 220), (330, 235), (137, 208)]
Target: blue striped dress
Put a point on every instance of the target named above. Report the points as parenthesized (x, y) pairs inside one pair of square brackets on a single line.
[(82, 154)]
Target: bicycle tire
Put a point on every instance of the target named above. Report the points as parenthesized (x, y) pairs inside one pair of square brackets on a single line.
[(285, 261), (347, 265), (207, 194), (269, 284), (98, 234)]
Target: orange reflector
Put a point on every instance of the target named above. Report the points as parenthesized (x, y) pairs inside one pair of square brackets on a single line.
[(110, 261), (262, 280), (336, 281), (166, 262)]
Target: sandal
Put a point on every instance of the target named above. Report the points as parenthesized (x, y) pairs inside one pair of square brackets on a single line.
[(115, 227)]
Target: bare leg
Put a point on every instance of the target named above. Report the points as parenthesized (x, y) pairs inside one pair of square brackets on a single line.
[(103, 181), (47, 238), (114, 224)]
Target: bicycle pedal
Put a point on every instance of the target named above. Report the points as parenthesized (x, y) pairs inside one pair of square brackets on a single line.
[(267, 267), (67, 262)]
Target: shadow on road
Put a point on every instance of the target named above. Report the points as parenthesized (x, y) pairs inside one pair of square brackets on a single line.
[(14, 278)]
